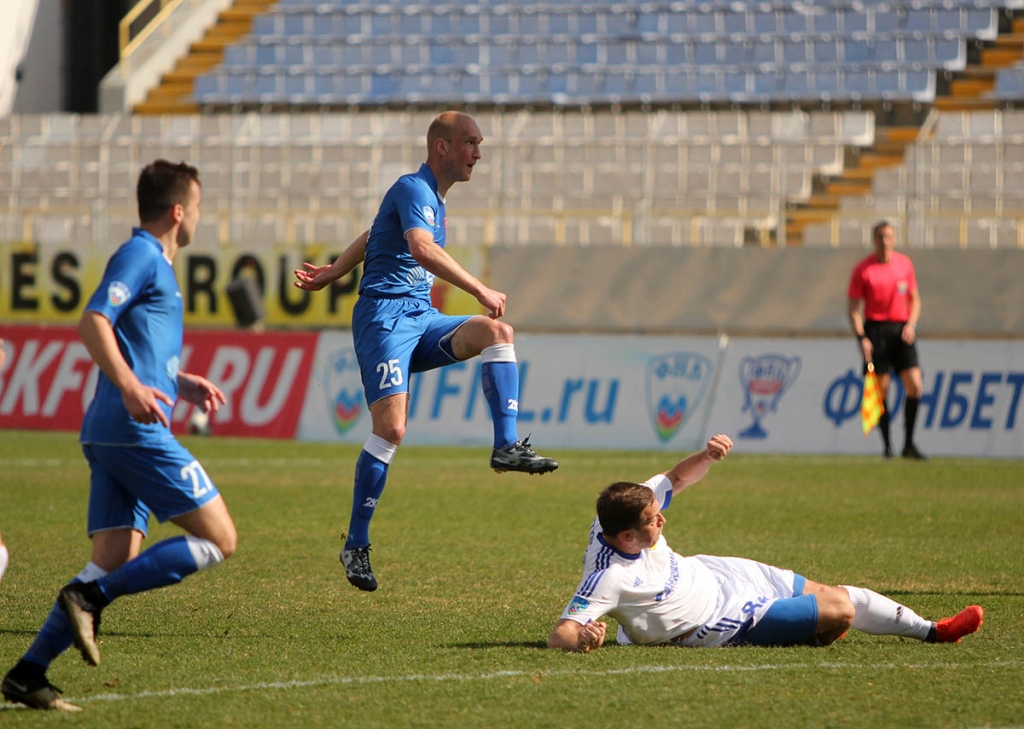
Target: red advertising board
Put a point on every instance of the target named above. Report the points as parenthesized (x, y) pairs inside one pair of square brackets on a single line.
[(49, 379)]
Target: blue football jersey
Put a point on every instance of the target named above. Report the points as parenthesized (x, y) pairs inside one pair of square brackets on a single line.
[(140, 297), (389, 270)]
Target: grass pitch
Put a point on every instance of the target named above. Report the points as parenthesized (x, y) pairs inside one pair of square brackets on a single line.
[(475, 569)]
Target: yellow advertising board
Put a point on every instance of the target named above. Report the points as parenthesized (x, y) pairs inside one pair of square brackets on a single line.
[(51, 283)]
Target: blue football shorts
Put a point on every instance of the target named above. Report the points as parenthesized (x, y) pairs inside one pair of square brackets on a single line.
[(788, 621), (128, 482), (394, 338)]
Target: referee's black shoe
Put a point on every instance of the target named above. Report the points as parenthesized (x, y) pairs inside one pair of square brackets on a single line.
[(910, 451)]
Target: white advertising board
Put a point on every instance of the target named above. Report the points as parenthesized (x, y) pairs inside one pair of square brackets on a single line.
[(803, 396), (636, 392), (628, 392)]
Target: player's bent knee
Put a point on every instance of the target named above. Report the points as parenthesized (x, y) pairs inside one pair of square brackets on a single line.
[(504, 333), (392, 432), (228, 543), (205, 552), (835, 609)]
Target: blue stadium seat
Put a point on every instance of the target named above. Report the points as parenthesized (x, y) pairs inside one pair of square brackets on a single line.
[(795, 22), (796, 51), (982, 23), (1009, 83), (206, 89), (298, 88), (827, 50), (683, 50), (766, 22), (383, 85)]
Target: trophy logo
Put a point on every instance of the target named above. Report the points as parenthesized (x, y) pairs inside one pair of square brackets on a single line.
[(765, 380), (676, 383)]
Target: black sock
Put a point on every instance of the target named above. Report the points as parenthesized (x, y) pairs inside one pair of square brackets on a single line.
[(883, 426), (27, 670), (910, 418)]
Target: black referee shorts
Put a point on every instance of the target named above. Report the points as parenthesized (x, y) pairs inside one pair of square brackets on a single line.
[(890, 351)]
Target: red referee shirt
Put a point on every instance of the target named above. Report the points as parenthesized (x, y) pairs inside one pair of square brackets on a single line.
[(884, 287)]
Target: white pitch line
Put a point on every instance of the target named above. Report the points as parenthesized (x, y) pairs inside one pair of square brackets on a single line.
[(457, 677)]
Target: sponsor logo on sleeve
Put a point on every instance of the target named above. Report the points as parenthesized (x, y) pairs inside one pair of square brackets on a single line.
[(578, 605), (428, 213), (118, 293)]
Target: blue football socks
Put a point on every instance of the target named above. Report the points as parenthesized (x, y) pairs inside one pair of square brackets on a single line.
[(500, 377), (371, 476), (165, 563)]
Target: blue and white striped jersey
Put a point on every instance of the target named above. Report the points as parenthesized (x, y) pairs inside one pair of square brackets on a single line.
[(655, 596)]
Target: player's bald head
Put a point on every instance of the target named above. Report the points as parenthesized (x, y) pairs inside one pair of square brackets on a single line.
[(450, 124)]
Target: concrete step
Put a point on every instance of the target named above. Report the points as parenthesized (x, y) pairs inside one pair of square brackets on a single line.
[(1001, 56), (971, 87), (898, 135), (168, 106), (848, 187), (822, 202), (874, 161), (174, 90), (229, 29), (951, 103), (804, 216), (857, 173)]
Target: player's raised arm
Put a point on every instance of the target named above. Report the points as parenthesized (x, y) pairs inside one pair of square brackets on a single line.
[(314, 278), (693, 468), (439, 262)]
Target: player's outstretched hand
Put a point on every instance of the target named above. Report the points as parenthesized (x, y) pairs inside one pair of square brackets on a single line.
[(143, 404), (719, 447), (200, 391), (313, 278), (591, 637), (493, 301)]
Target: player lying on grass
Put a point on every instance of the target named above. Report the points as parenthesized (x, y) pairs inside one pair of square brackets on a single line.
[(660, 596)]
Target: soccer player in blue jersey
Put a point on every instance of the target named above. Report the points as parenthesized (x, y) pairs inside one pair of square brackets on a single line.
[(396, 331), (132, 328), (658, 596)]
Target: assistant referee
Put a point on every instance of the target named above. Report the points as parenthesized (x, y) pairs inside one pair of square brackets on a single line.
[(886, 283)]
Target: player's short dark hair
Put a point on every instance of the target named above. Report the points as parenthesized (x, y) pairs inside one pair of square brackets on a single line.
[(162, 185), (621, 505), (878, 226)]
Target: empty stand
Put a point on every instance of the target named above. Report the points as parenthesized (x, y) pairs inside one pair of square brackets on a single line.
[(308, 52), (664, 177)]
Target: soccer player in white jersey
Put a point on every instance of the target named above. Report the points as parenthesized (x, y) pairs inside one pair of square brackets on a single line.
[(132, 328), (659, 596), (396, 331)]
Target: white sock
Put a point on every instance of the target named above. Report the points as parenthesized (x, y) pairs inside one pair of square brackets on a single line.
[(204, 552), (90, 572), (380, 449), (4, 557), (878, 615)]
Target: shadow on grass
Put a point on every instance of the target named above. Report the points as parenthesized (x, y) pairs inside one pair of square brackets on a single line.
[(502, 644)]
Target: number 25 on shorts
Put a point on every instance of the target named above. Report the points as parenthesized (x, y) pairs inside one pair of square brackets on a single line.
[(390, 374)]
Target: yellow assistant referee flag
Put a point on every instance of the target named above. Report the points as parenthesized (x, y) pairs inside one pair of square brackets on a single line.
[(871, 401)]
